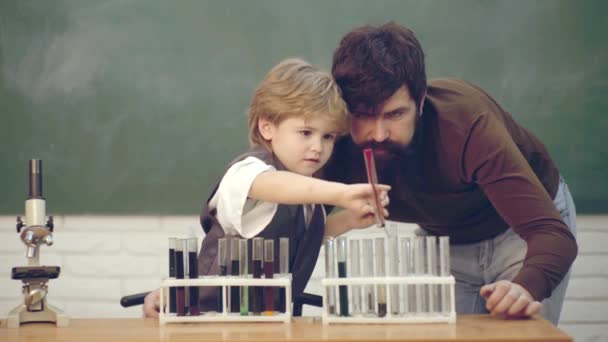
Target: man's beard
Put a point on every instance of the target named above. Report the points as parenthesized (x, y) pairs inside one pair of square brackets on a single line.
[(385, 153), (395, 153)]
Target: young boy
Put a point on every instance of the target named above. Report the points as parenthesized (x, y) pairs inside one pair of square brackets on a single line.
[(269, 191)]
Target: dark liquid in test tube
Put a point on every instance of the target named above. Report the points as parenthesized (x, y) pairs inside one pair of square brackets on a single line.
[(235, 291), (172, 290), (193, 274), (257, 298), (341, 243), (343, 289), (381, 309), (179, 274), (269, 290)]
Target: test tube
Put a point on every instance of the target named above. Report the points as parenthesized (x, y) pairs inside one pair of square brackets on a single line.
[(283, 269), (172, 289), (407, 269), (179, 274), (380, 272), (354, 271), (223, 269), (186, 270), (444, 271), (372, 178), (268, 274), (419, 270), (235, 293), (257, 257), (343, 289), (368, 271), (194, 307), (330, 262), (243, 271), (431, 270), (393, 269)]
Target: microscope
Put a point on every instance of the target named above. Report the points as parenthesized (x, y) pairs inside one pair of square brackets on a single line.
[(35, 232)]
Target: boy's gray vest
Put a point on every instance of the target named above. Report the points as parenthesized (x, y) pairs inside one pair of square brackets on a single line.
[(288, 221)]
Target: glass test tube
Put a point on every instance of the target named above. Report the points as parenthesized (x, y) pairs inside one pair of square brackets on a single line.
[(419, 270), (354, 271), (235, 270), (257, 257), (380, 272), (222, 247), (431, 270), (343, 289), (444, 271), (172, 289), (193, 274), (393, 269), (244, 272), (407, 269), (283, 269), (269, 274), (368, 271), (330, 262), (179, 274), (186, 270)]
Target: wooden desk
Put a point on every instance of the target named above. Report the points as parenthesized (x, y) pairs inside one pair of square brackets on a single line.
[(467, 328)]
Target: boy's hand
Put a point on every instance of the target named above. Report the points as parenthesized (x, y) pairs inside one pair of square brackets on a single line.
[(359, 200), (152, 304), (509, 300)]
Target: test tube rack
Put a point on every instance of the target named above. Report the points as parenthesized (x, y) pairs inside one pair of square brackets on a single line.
[(279, 281), (390, 318)]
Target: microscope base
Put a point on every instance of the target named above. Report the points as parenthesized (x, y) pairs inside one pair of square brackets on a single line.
[(50, 314)]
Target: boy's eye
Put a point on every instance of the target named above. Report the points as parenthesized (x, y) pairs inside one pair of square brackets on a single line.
[(305, 132), (329, 137)]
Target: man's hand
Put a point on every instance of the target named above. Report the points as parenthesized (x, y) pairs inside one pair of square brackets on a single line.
[(152, 304), (509, 300)]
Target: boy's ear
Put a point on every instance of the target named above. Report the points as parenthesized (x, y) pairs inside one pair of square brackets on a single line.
[(266, 128)]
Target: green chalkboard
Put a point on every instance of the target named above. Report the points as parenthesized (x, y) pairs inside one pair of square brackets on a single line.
[(136, 106)]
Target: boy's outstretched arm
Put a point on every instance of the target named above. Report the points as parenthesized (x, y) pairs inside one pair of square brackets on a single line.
[(291, 188)]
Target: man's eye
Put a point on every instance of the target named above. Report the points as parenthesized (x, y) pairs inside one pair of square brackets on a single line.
[(395, 114)]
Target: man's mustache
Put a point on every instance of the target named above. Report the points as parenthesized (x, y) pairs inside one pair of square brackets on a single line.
[(389, 146)]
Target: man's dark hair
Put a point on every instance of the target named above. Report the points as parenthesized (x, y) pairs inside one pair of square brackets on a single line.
[(372, 62)]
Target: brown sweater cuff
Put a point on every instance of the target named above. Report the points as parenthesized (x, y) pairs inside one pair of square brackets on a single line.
[(534, 281)]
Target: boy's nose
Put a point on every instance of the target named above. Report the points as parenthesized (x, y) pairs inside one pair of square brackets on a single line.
[(317, 145)]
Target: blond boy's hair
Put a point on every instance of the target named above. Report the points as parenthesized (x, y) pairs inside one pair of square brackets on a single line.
[(294, 88)]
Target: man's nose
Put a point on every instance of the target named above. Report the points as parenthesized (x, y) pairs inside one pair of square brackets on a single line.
[(380, 132)]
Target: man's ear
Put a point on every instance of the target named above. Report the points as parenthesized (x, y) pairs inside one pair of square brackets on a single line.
[(266, 128), (422, 103)]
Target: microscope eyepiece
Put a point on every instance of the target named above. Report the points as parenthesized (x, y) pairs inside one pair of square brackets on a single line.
[(35, 177)]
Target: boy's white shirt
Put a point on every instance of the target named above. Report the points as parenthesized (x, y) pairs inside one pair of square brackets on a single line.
[(236, 212)]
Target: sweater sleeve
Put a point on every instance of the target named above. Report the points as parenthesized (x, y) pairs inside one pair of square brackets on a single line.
[(491, 159)]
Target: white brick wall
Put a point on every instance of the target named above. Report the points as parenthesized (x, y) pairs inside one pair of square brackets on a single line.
[(103, 258)]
